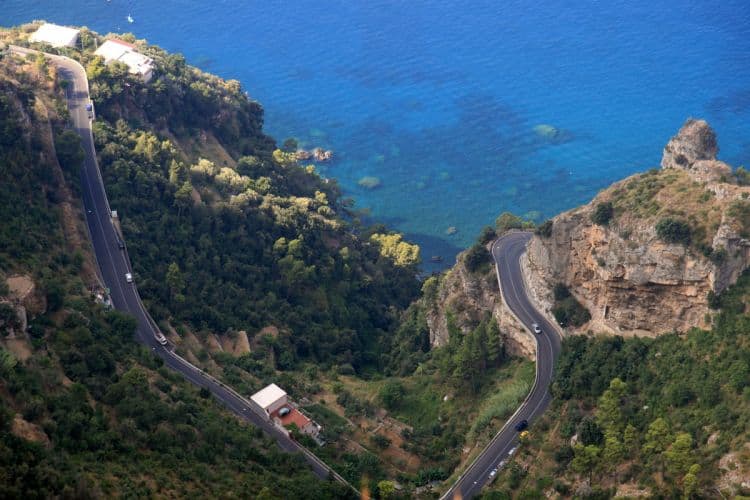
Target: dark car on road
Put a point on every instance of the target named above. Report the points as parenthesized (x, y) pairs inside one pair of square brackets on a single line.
[(522, 425)]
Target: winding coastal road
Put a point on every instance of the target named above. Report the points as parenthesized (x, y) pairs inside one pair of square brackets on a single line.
[(113, 264), (506, 252)]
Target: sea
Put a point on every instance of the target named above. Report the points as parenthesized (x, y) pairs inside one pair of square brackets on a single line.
[(461, 110)]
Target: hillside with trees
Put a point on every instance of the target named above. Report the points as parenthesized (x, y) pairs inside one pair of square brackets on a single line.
[(230, 236), (227, 232), (84, 411), (664, 417)]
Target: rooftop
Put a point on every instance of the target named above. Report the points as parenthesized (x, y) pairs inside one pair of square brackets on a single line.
[(268, 395), (124, 52), (57, 36)]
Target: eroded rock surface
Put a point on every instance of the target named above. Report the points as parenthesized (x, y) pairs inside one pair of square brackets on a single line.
[(631, 280)]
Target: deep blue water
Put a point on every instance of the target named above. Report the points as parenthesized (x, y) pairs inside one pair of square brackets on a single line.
[(439, 100)]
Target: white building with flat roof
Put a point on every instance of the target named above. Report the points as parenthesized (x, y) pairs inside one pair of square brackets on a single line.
[(270, 398), (124, 52), (57, 36)]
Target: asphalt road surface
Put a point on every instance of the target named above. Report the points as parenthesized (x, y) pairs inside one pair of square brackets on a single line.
[(507, 252), (113, 263)]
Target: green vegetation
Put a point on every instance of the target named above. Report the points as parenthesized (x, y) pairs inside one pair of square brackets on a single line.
[(393, 247), (673, 231), (682, 209), (603, 213), (740, 211), (507, 221), (86, 412), (477, 258), (502, 404), (638, 196), (254, 241), (487, 235), (567, 310), (658, 413), (742, 176)]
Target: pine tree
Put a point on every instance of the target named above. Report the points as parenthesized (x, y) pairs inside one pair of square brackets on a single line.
[(630, 440), (609, 411), (495, 348)]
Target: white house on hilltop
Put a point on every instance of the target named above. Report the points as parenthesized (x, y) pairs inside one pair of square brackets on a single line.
[(137, 63), (57, 36)]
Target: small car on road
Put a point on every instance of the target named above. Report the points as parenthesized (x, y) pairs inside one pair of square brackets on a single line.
[(493, 473), (522, 425), (128, 277), (536, 328)]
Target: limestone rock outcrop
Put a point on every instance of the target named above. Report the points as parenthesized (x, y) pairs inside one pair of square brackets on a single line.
[(630, 279), (695, 141), (694, 150)]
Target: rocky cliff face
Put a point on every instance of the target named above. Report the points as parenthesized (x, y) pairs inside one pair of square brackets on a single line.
[(466, 297), (630, 279)]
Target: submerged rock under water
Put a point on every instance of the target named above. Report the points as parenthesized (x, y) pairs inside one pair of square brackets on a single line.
[(369, 182)]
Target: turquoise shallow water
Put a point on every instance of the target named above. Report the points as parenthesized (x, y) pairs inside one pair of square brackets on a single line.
[(440, 100)]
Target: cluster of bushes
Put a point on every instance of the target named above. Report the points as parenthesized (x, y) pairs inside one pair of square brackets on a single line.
[(507, 221), (567, 310)]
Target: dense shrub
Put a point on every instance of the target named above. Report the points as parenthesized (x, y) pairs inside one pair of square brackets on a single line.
[(673, 231), (488, 234), (560, 291), (545, 229), (476, 257), (567, 310), (603, 213), (391, 394)]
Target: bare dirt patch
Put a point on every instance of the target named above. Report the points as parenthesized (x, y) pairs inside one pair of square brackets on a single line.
[(19, 347), (630, 490), (236, 343), (28, 431), (735, 470), (20, 286)]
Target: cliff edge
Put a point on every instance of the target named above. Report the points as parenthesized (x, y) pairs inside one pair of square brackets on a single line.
[(459, 299), (647, 253)]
